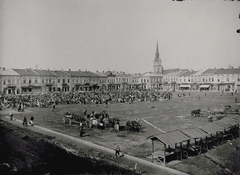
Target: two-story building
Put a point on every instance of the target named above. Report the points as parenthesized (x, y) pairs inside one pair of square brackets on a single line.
[(10, 81), (48, 80), (63, 81), (185, 80), (170, 78), (30, 81), (102, 80), (227, 79), (207, 80)]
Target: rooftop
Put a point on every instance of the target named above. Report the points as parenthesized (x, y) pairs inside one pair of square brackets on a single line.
[(26, 72), (4, 71)]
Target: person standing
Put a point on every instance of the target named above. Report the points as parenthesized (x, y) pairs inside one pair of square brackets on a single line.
[(53, 106), (31, 121), (85, 111), (81, 129), (117, 151), (11, 116), (106, 103), (25, 121)]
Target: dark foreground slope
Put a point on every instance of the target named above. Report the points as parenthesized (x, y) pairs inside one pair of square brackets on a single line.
[(24, 152)]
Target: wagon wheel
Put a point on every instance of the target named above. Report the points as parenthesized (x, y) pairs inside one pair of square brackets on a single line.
[(63, 120)]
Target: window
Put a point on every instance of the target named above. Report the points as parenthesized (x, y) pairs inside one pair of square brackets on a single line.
[(30, 81), (24, 81), (17, 82), (58, 80), (4, 82), (63, 80), (9, 81), (36, 81), (42, 80), (68, 80)]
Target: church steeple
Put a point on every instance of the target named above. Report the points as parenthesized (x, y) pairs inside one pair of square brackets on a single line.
[(157, 53), (157, 63)]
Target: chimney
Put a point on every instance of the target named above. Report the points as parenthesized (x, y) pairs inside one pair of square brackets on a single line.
[(36, 67), (26, 70), (62, 69), (79, 70), (69, 70), (97, 70), (3, 68), (103, 71)]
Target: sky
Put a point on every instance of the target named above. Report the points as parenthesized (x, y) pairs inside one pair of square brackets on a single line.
[(119, 35)]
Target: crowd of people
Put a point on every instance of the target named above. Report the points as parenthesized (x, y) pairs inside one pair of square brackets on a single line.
[(19, 102)]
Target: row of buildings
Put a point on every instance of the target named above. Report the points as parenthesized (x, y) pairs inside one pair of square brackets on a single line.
[(30, 81)]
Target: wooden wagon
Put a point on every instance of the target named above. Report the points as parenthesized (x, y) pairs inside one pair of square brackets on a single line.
[(70, 119)]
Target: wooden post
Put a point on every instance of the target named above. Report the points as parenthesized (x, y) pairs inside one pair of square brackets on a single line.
[(181, 152), (201, 145), (152, 149), (164, 161), (176, 151)]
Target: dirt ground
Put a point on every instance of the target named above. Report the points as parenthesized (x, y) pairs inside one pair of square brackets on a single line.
[(163, 115), (26, 152)]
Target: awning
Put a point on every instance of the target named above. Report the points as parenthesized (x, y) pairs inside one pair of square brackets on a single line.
[(194, 133), (204, 86), (211, 128), (170, 138), (184, 86)]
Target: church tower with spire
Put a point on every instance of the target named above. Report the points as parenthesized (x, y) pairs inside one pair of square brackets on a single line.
[(157, 63)]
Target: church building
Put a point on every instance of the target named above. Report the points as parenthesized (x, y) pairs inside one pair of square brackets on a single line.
[(157, 64), (153, 80)]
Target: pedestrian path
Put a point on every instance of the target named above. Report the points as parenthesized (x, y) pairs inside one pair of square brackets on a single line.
[(41, 129)]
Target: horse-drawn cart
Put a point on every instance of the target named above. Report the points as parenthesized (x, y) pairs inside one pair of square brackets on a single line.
[(70, 119), (216, 115), (230, 110), (199, 113)]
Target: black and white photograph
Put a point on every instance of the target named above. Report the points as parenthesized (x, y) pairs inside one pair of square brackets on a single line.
[(119, 87)]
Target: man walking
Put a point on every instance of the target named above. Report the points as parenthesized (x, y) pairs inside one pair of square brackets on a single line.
[(81, 128)]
